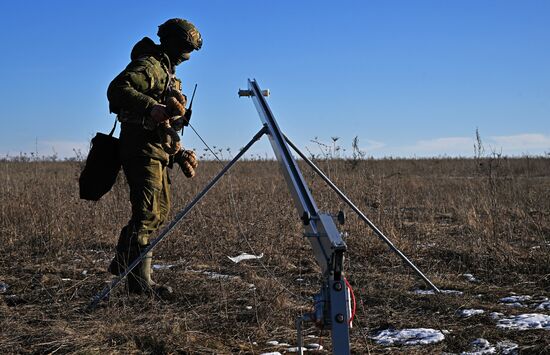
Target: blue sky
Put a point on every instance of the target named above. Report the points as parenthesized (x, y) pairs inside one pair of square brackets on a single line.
[(409, 78)]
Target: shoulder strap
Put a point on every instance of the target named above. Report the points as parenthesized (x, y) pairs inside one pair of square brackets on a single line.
[(114, 127)]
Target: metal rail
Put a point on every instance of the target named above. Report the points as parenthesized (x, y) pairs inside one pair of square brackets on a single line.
[(332, 309)]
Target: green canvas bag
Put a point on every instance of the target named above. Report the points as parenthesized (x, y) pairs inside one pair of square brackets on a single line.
[(102, 167)]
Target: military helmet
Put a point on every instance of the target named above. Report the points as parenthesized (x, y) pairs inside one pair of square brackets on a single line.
[(182, 29)]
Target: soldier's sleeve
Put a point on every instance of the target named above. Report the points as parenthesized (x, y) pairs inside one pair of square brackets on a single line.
[(129, 89)]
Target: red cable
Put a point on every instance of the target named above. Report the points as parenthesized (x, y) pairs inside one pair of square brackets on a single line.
[(353, 309)]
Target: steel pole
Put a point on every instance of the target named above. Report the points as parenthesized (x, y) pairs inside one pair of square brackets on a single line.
[(362, 215)]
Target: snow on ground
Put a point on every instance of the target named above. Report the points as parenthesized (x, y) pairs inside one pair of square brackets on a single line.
[(418, 336), (515, 299), (214, 275), (163, 266), (483, 346), (514, 304), (525, 322), (3, 287), (470, 277), (526, 301), (431, 292), (293, 349), (496, 315), (480, 346), (507, 347), (306, 347), (245, 256), (469, 312)]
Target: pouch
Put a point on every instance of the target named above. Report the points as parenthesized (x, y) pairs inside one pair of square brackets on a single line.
[(102, 167)]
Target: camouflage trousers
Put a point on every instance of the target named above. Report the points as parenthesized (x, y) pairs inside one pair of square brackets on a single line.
[(150, 199)]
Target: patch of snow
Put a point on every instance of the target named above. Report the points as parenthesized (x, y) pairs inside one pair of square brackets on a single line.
[(418, 336), (66, 279), (305, 348), (470, 277), (245, 256), (272, 353), (469, 312), (300, 279), (544, 305), (217, 276), (214, 275), (314, 346), (483, 346), (507, 347), (515, 304), (163, 266), (84, 272), (3, 287), (272, 343), (480, 347), (248, 307), (515, 299), (496, 315), (431, 292), (426, 245), (525, 322)]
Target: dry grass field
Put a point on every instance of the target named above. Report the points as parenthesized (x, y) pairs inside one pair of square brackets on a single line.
[(487, 217)]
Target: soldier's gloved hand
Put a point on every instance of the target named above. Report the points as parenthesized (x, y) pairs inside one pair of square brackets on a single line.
[(180, 97), (191, 158), (174, 107), (187, 160), (158, 113)]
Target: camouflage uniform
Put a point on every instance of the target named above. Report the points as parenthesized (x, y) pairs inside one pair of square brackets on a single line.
[(132, 94)]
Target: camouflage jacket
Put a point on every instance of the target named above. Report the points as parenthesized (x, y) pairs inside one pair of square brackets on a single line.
[(134, 92)]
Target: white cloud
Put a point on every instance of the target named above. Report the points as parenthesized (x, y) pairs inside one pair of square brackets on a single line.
[(527, 141), (373, 145), (443, 145), (63, 149)]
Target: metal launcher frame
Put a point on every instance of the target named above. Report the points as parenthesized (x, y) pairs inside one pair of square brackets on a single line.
[(332, 304), (332, 309)]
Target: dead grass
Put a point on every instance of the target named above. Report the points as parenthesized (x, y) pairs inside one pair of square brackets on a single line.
[(487, 217)]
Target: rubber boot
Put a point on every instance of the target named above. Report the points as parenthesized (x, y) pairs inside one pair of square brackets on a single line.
[(140, 282), (122, 257)]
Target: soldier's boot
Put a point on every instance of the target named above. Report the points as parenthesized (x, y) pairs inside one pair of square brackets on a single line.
[(140, 282), (122, 257)]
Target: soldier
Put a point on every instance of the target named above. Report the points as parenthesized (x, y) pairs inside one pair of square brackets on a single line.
[(147, 98)]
